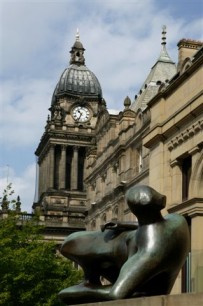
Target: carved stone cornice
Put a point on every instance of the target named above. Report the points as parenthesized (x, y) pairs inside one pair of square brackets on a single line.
[(192, 207), (168, 128), (185, 135), (64, 137)]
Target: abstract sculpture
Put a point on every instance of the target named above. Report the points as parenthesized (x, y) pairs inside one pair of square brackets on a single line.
[(143, 261)]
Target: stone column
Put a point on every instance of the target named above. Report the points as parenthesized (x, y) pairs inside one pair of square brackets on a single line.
[(194, 190), (98, 188), (48, 170), (196, 249), (51, 167), (85, 167), (43, 174), (40, 177), (62, 171), (74, 169), (122, 167), (176, 196), (46, 183)]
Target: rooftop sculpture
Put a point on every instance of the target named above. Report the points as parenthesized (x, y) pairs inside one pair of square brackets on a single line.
[(141, 259)]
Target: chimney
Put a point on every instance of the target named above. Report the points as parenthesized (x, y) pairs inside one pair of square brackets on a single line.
[(187, 48)]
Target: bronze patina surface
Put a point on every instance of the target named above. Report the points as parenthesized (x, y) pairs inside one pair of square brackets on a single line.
[(144, 261)]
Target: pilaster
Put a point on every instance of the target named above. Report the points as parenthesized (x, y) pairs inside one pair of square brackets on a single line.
[(74, 169), (62, 171), (176, 191), (51, 166)]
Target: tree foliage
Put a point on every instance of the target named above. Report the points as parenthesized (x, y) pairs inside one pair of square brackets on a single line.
[(31, 271)]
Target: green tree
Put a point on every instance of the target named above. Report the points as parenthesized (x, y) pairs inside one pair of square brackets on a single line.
[(31, 271)]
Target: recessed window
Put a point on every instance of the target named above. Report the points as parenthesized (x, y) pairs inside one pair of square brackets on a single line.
[(186, 175)]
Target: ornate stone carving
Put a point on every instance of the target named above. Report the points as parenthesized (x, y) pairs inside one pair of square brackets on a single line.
[(185, 135)]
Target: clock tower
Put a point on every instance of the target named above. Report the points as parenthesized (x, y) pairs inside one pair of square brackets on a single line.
[(69, 135)]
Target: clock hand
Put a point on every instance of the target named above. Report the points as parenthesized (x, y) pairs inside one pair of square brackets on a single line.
[(80, 114)]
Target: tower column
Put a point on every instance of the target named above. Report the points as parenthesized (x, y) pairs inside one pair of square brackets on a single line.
[(46, 164), (43, 174), (51, 167), (48, 171), (74, 169), (40, 176), (62, 171)]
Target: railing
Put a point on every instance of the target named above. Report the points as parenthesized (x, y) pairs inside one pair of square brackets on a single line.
[(52, 220), (26, 217)]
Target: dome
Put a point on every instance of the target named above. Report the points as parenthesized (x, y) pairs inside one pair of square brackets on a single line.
[(78, 45), (77, 79)]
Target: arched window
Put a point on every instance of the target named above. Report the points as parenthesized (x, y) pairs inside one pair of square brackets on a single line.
[(81, 159), (93, 225), (186, 175), (103, 219), (115, 213)]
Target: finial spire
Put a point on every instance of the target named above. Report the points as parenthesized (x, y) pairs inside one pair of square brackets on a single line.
[(164, 57), (163, 35), (77, 35)]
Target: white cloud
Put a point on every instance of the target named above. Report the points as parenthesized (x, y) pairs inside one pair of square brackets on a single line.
[(122, 39), (24, 106), (193, 29), (29, 36)]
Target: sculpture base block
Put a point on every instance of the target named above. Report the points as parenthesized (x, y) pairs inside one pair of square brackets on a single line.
[(191, 299)]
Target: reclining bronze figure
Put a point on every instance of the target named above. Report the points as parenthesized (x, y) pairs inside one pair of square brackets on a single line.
[(143, 259)]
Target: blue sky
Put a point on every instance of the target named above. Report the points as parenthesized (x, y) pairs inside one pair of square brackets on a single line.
[(122, 39)]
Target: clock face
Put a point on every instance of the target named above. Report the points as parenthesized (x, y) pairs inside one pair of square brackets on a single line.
[(81, 114)]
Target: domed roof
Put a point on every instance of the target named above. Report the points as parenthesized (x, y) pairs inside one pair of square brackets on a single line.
[(78, 45), (77, 79)]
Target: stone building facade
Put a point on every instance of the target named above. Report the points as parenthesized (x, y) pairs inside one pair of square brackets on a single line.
[(88, 158)]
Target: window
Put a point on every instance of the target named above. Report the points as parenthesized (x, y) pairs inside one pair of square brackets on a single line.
[(186, 175), (81, 159), (140, 160), (93, 225), (103, 219), (115, 213)]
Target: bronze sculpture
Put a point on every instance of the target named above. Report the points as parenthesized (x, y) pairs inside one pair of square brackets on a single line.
[(144, 261)]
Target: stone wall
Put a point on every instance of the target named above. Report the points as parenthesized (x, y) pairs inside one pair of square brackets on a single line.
[(192, 299)]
